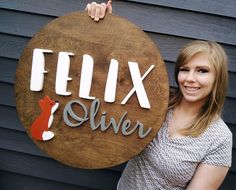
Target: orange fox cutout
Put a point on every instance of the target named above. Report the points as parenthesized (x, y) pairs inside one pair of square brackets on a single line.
[(40, 127)]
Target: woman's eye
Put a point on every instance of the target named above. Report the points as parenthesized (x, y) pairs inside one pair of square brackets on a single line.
[(183, 69), (203, 71)]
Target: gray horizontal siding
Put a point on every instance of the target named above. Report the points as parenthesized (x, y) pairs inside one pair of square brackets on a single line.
[(217, 7), (49, 169), (170, 24), (24, 182), (170, 21)]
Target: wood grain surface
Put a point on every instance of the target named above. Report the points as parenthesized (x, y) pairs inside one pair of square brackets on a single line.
[(113, 37)]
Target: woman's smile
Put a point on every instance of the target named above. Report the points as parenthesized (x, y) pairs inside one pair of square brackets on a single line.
[(196, 79)]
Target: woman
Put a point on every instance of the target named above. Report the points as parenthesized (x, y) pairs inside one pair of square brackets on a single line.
[(193, 148)]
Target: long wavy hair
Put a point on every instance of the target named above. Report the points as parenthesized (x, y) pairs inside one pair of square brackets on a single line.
[(214, 104)]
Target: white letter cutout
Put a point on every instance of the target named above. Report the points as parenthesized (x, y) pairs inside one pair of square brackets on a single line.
[(63, 67), (86, 77), (138, 85), (110, 91), (37, 70)]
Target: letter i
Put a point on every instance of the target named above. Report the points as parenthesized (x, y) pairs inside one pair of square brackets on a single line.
[(110, 91)]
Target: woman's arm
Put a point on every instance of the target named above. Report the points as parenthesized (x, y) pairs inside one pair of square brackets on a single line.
[(208, 177), (98, 11)]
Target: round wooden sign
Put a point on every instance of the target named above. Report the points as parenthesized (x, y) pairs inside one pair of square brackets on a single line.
[(91, 95)]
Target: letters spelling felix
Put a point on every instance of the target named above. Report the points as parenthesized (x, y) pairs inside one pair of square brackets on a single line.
[(41, 132)]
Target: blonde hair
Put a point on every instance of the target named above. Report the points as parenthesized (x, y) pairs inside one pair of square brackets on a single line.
[(214, 104)]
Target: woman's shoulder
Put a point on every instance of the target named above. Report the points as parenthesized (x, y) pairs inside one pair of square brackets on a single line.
[(218, 129), (220, 141)]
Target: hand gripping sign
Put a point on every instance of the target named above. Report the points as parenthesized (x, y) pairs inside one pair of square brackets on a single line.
[(91, 95)]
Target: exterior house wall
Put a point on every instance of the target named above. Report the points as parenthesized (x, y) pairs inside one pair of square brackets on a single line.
[(170, 24)]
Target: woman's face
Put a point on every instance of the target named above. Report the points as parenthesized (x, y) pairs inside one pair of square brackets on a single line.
[(196, 79)]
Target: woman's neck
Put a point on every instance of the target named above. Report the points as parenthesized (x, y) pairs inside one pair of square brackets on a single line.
[(189, 108)]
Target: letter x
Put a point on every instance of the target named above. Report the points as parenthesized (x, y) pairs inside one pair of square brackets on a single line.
[(138, 85)]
